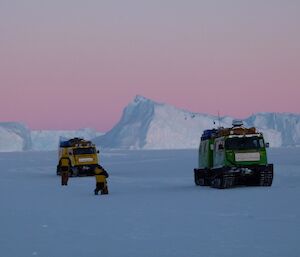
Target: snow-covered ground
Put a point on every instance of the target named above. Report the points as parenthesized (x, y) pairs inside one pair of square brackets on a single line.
[(154, 209)]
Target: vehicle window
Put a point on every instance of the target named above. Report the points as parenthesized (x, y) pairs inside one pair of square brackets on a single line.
[(241, 143), (261, 143), (89, 150)]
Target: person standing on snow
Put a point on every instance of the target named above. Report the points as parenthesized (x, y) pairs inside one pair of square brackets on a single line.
[(65, 166), (101, 184)]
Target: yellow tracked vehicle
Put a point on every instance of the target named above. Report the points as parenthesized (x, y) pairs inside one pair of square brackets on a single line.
[(82, 154)]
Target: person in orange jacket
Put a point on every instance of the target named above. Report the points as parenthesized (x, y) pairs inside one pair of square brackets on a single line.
[(101, 184), (64, 166)]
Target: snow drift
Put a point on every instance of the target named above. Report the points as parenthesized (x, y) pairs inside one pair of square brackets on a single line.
[(146, 124)]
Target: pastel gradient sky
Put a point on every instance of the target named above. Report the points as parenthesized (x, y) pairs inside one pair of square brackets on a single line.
[(69, 64)]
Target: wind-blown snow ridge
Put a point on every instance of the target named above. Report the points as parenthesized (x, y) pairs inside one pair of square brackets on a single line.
[(146, 124)]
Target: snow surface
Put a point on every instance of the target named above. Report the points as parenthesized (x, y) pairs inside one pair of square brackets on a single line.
[(154, 209), (146, 124)]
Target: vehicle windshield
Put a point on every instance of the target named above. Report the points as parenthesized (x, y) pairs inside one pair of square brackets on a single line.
[(244, 143), (89, 150)]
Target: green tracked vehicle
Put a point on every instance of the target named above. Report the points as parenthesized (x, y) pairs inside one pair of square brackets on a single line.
[(233, 156)]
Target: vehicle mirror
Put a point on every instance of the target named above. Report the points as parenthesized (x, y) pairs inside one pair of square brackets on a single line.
[(267, 145), (98, 151)]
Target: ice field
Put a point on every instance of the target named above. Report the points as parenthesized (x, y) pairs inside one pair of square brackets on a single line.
[(153, 209)]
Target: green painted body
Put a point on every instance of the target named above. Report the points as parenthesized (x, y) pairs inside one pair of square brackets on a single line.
[(205, 159), (211, 156)]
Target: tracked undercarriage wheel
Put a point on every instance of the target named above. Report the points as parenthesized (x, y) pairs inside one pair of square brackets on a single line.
[(217, 182), (223, 181), (229, 181), (74, 172), (200, 178), (266, 178), (197, 178)]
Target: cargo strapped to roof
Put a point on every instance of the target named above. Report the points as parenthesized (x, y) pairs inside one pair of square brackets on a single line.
[(236, 131), (75, 142)]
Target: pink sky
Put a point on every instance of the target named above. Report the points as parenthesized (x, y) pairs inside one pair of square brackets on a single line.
[(74, 64)]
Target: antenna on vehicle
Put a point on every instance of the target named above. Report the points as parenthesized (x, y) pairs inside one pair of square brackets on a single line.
[(219, 119)]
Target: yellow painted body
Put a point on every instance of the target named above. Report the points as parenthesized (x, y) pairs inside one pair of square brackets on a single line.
[(79, 159), (82, 154)]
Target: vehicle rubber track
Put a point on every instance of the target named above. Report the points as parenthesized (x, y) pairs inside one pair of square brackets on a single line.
[(266, 178), (224, 181)]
